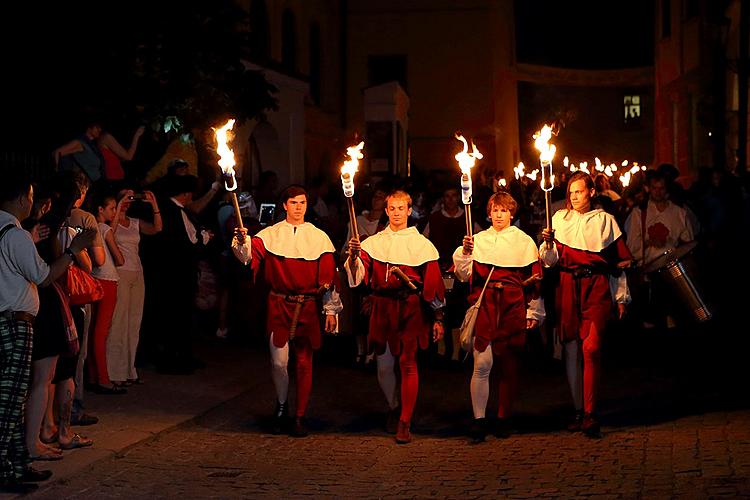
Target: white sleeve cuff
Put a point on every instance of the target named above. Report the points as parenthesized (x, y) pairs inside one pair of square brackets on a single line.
[(243, 251), (536, 310), (355, 280), (332, 302), (548, 255), (463, 264)]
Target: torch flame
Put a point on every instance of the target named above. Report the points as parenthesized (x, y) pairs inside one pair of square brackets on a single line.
[(350, 167), (226, 155), (541, 142), (546, 153), (464, 158)]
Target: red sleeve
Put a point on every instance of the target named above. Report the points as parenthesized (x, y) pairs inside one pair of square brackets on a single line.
[(259, 255), (367, 265), (327, 274), (434, 286)]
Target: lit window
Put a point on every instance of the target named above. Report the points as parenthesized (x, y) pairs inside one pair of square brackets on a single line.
[(632, 105)]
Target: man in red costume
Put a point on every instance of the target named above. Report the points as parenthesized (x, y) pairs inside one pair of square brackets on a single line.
[(590, 251), (401, 267), (510, 305), (299, 268)]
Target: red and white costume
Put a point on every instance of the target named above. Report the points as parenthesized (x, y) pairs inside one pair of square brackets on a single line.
[(399, 323), (587, 249), (298, 264), (501, 321), (664, 230)]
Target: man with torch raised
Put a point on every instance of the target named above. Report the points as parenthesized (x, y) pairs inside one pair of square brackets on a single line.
[(297, 260), (590, 251), (401, 267)]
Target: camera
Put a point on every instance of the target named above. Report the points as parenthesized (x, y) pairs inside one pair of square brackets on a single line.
[(137, 196)]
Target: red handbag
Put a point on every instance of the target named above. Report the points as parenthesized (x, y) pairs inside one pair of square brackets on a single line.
[(81, 288)]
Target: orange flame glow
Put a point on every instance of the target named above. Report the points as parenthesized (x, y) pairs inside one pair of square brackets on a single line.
[(464, 158), (349, 168), (226, 155)]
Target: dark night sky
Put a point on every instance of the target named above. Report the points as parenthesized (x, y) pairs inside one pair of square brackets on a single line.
[(585, 34)]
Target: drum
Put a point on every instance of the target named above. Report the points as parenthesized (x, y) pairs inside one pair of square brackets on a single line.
[(449, 280), (675, 270)]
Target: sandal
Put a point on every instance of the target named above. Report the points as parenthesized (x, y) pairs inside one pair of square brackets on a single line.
[(52, 439), (78, 441)]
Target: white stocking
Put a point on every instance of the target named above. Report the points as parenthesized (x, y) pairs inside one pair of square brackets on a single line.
[(480, 381), (279, 373), (387, 376), (574, 370)]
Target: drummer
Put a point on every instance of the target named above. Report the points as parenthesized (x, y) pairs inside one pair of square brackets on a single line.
[(654, 228), (589, 250), (446, 228)]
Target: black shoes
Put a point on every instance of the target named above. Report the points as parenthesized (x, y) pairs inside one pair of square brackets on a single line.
[(31, 475), (280, 417), (299, 429), (16, 486), (501, 428), (478, 430), (391, 420), (590, 426), (575, 424)]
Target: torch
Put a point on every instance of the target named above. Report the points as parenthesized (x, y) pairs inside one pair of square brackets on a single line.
[(465, 162), (226, 163), (546, 153), (347, 182)]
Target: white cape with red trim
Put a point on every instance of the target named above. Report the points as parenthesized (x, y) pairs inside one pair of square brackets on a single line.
[(404, 248), (305, 241), (510, 247), (593, 231)]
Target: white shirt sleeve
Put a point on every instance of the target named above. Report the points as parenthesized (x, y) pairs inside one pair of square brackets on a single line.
[(618, 285), (189, 228), (332, 303), (463, 264), (548, 254), (536, 310), (355, 280), (244, 251)]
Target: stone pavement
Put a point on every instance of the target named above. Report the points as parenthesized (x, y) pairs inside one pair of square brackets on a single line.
[(674, 427)]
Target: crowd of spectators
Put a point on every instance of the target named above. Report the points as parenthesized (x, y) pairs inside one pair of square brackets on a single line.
[(160, 248)]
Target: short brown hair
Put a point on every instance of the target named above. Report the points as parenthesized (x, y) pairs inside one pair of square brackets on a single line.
[(292, 192), (399, 195), (580, 175), (503, 200)]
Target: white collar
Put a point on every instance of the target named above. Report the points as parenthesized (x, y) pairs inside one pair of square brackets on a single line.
[(509, 247), (405, 247), (592, 231), (304, 241)]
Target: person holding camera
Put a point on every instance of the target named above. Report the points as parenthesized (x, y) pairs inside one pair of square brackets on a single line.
[(507, 258), (22, 270), (299, 266), (122, 342)]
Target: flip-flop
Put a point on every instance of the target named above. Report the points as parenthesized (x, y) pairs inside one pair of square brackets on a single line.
[(47, 456), (78, 441), (50, 440)]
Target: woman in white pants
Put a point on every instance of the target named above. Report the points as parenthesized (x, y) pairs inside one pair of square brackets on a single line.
[(122, 342)]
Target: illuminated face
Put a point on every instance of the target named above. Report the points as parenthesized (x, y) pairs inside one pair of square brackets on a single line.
[(657, 190), (500, 217), (398, 212), (580, 196), (450, 200), (108, 211), (295, 209)]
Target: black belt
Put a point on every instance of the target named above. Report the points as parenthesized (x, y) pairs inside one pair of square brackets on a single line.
[(583, 272), (18, 316)]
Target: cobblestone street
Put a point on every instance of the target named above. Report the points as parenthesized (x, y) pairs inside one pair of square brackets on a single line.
[(665, 435)]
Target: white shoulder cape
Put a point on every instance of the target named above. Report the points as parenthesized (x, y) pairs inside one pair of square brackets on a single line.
[(406, 247), (510, 247), (593, 231), (307, 242)]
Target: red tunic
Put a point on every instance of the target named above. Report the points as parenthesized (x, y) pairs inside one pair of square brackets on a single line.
[(586, 299), (288, 276), (401, 321), (502, 315)]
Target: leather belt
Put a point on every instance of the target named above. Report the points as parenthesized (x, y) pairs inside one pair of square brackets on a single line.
[(18, 316), (297, 300)]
